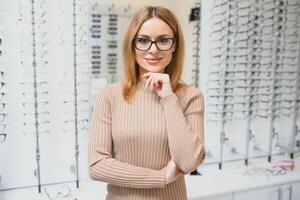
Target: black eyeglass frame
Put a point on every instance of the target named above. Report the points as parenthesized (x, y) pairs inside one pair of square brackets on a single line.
[(153, 42), (2, 137)]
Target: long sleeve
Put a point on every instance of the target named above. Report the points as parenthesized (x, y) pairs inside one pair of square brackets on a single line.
[(185, 128), (102, 165)]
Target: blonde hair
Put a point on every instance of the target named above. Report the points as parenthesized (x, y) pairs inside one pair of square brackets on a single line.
[(131, 68)]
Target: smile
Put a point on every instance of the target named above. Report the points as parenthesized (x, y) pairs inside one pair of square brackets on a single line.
[(153, 60)]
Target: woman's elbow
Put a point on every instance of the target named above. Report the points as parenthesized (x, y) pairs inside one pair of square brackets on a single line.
[(194, 163), (95, 174), (201, 157), (97, 169), (92, 173)]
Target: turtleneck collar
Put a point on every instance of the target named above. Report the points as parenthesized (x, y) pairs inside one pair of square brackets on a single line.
[(141, 86)]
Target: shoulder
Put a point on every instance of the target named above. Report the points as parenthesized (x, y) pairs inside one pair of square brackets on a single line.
[(108, 91), (190, 97), (188, 92)]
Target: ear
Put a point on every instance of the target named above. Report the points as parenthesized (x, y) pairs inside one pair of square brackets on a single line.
[(174, 48)]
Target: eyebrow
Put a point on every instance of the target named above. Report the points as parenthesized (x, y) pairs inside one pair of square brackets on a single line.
[(160, 36)]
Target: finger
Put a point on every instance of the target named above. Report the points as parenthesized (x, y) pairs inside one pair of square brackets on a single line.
[(159, 84), (156, 85), (148, 81), (146, 75), (179, 174), (152, 84), (183, 173)]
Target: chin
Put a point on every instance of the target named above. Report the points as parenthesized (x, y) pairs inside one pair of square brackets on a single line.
[(153, 68)]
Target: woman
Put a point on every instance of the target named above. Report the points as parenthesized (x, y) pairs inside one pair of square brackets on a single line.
[(147, 131)]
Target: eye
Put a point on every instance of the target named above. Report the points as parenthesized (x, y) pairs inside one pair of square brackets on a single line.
[(165, 40), (142, 40)]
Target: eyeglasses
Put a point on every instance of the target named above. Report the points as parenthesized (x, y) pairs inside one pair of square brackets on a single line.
[(2, 137), (63, 193), (264, 171), (162, 44), (2, 116)]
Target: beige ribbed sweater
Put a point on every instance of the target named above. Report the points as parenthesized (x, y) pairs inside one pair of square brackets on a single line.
[(131, 144)]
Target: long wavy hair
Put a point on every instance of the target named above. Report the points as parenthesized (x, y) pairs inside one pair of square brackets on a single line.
[(131, 68)]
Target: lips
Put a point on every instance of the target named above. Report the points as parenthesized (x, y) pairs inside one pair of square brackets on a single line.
[(153, 60)]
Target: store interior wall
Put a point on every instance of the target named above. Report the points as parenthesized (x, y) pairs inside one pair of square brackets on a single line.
[(18, 165), (19, 169)]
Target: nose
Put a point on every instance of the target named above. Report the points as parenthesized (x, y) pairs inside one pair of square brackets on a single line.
[(153, 48)]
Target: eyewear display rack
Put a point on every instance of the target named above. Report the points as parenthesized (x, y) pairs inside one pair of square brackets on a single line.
[(254, 68)]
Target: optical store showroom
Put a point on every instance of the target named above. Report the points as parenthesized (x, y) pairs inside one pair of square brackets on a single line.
[(149, 100)]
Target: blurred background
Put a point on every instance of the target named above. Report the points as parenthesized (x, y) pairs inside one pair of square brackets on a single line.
[(244, 55)]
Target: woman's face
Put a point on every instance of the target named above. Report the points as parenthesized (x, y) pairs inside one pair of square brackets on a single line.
[(153, 59)]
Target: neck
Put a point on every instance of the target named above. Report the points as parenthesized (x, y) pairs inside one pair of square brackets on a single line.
[(143, 71)]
